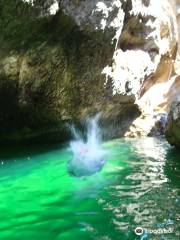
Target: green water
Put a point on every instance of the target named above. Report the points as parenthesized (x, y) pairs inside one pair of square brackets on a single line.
[(138, 187)]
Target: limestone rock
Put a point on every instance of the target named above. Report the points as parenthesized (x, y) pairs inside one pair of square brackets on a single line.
[(143, 31), (44, 8), (145, 38), (113, 56), (145, 48), (173, 124)]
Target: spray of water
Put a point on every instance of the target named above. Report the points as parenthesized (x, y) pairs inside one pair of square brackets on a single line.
[(88, 155)]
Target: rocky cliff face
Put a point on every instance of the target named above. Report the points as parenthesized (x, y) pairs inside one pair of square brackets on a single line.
[(173, 124), (62, 61)]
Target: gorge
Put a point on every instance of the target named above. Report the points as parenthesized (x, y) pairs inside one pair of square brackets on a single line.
[(57, 67), (89, 119)]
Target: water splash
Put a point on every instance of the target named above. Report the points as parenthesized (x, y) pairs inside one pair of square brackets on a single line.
[(88, 155)]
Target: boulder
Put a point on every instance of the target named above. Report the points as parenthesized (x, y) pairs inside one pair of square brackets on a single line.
[(173, 124)]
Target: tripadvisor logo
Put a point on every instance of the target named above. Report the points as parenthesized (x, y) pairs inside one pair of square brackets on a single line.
[(139, 231)]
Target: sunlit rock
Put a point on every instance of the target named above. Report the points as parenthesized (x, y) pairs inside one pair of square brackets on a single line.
[(47, 7), (127, 77), (144, 50), (97, 15), (144, 31)]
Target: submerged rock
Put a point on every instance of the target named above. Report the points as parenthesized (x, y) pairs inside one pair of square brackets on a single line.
[(173, 124)]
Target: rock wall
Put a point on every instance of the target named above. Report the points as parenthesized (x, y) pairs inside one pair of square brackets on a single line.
[(173, 124), (82, 57), (172, 130)]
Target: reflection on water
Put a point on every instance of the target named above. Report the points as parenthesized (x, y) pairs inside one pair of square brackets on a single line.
[(138, 187)]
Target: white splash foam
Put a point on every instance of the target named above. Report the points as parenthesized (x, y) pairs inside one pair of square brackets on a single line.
[(88, 155)]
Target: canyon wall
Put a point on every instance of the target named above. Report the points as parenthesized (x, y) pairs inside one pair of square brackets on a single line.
[(62, 61), (173, 124)]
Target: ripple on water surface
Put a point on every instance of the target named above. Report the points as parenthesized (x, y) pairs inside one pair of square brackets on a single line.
[(138, 187)]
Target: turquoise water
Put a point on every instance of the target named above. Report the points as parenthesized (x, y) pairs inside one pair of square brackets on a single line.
[(137, 187)]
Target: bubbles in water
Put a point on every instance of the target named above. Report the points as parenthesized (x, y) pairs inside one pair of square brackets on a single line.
[(88, 155)]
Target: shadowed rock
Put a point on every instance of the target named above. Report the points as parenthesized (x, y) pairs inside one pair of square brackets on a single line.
[(173, 124)]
